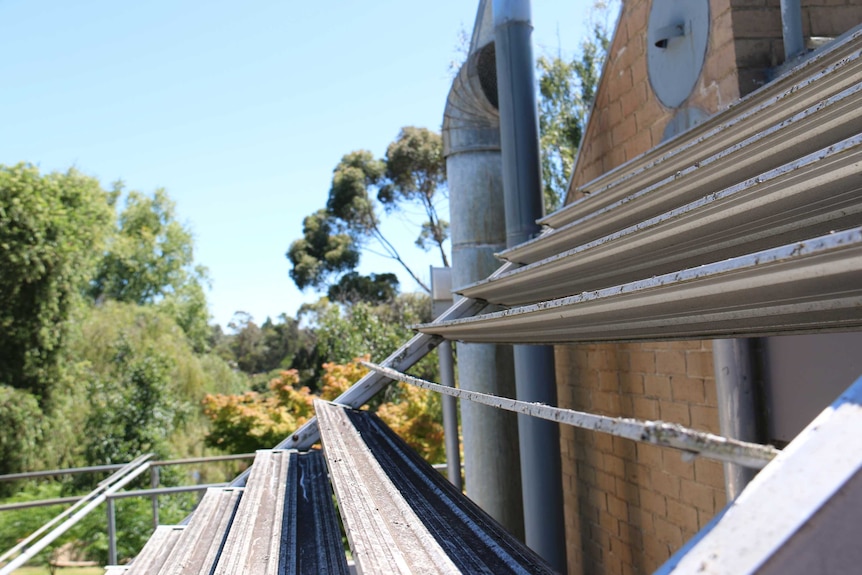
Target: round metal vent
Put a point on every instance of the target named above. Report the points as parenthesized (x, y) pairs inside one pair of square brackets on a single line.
[(677, 36), (487, 70)]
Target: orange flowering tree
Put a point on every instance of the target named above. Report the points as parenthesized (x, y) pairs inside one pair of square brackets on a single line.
[(251, 420), (244, 422)]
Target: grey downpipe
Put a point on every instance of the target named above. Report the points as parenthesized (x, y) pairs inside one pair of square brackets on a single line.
[(541, 469), (791, 29), (471, 146), (450, 416), (737, 404)]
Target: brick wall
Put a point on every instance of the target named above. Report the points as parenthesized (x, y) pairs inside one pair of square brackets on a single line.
[(629, 505), (756, 25)]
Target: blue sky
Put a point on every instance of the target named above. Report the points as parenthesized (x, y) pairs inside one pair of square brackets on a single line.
[(239, 110)]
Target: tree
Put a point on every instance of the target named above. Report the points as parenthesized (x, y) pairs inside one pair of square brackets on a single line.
[(416, 173), (362, 190), (150, 260), (52, 228), (374, 289), (567, 89)]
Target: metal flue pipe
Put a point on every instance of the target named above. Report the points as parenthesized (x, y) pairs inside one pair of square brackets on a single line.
[(791, 29), (471, 145), (541, 470)]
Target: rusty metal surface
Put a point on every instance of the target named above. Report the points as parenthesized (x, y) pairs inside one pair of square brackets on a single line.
[(202, 541), (829, 72), (401, 516), (157, 550), (285, 522), (810, 196), (805, 287)]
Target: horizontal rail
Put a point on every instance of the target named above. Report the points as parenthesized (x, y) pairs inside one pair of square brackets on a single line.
[(659, 433), (118, 495), (116, 466), (69, 471)]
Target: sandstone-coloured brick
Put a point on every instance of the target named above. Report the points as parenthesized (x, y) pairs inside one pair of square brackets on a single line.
[(606, 402), (609, 381), (688, 390), (673, 463), (699, 364), (668, 532), (757, 23), (654, 502), (664, 483), (642, 361), (657, 386), (625, 448), (709, 472), (618, 508), (614, 465), (645, 408), (623, 132), (674, 412), (628, 491), (683, 515), (671, 362), (699, 495), (649, 455), (834, 20), (704, 418)]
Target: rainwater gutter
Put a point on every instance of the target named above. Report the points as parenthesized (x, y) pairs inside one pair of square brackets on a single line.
[(535, 377)]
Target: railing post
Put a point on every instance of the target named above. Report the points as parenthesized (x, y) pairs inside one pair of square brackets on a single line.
[(154, 482), (112, 532)]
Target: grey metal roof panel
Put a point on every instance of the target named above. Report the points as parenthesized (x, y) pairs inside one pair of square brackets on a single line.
[(157, 550), (282, 513), (402, 516), (809, 286), (829, 72), (808, 197), (201, 543), (818, 126)]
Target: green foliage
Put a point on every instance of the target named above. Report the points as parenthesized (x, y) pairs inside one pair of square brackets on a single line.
[(373, 289), (322, 252), (20, 431), (567, 88), (416, 173), (413, 172), (51, 230), (134, 411)]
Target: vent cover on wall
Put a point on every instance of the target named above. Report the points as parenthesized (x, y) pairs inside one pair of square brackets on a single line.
[(677, 36)]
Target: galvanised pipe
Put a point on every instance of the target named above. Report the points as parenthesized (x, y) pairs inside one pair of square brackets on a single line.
[(541, 468), (471, 145), (791, 29), (737, 413)]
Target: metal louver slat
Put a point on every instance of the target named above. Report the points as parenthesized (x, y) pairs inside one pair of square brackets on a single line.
[(811, 196), (825, 123), (809, 286), (834, 70)]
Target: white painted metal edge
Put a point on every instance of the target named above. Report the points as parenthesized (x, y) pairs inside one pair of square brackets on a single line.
[(783, 496)]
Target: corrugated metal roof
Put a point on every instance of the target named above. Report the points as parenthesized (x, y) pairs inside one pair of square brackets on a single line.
[(201, 543), (806, 198), (814, 285), (829, 120), (829, 72), (401, 515), (157, 550)]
